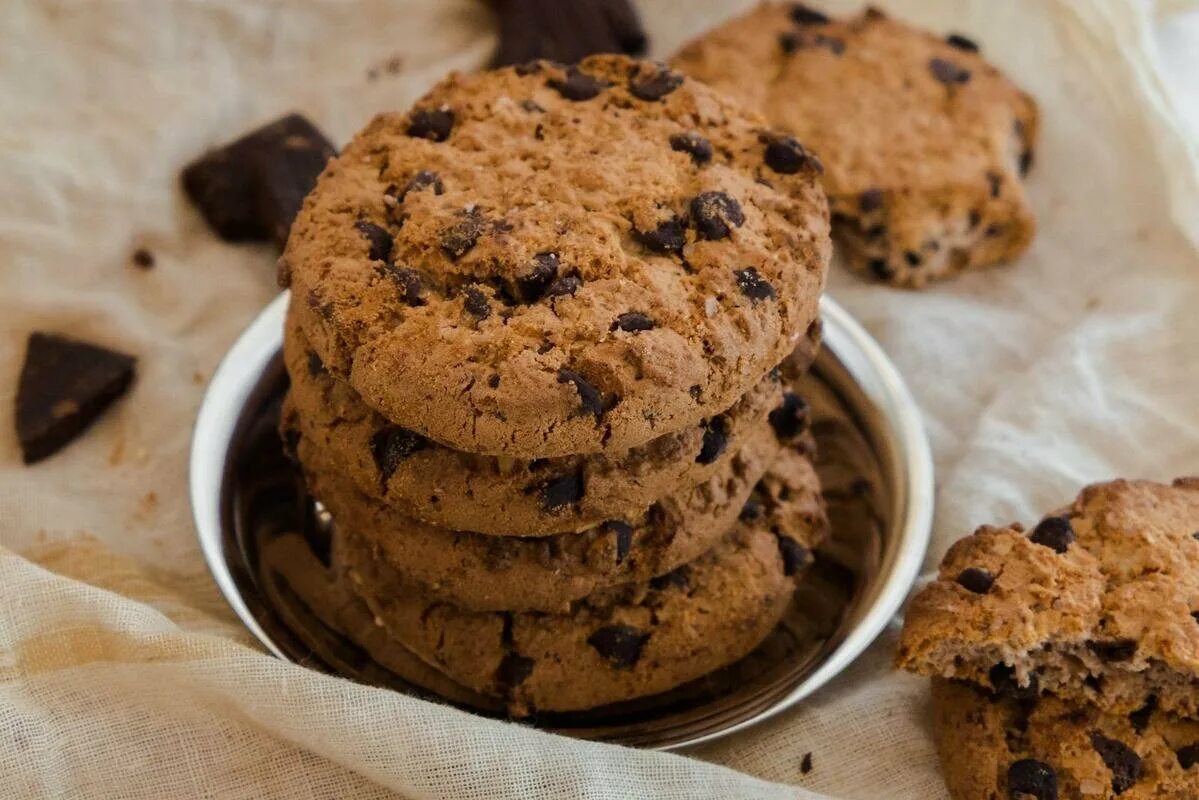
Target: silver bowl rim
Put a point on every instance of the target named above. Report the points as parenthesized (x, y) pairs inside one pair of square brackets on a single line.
[(877, 378)]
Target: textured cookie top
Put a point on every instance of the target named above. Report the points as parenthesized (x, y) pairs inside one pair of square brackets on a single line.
[(993, 747), (541, 260), (885, 106), (1098, 602)]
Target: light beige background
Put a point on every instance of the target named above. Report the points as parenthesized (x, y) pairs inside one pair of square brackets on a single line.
[(129, 678)]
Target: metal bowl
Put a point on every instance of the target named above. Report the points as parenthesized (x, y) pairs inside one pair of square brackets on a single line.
[(878, 481)]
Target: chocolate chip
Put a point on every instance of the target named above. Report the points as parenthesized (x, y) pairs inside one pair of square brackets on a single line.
[(716, 440), (475, 302), (392, 444), (715, 214), (64, 386), (974, 217), (789, 42), (460, 237), (668, 237), (795, 556), (566, 285), (1188, 756), (975, 579), (143, 258), (752, 510), (753, 285), (513, 671), (1140, 718), (1114, 650), (1122, 760), (790, 419), (876, 232), (961, 42), (1004, 683), (316, 367), (996, 183), (379, 241), (880, 269), (1033, 778), (624, 537), (1025, 162), (678, 578), (786, 156), (409, 283), (870, 200), (805, 764), (590, 401), (633, 322), (620, 645), (913, 258), (1055, 533), (656, 86), (577, 85), (493, 381), (699, 148), (434, 124), (533, 286), (422, 180), (1195, 616), (803, 15), (559, 492), (948, 72)]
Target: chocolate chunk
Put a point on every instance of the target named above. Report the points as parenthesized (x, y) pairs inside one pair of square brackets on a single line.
[(633, 322), (786, 156), (623, 532), (805, 764), (1188, 756), (913, 258), (434, 124), (976, 579), (789, 42), (668, 237), (790, 419), (974, 218), (534, 285), (656, 86), (699, 148), (995, 182), (620, 645), (252, 188), (590, 400), (316, 367), (795, 556), (493, 381), (378, 240), (1054, 532), (1140, 718), (679, 578), (513, 671), (392, 444), (715, 214), (870, 200), (423, 179), (1004, 683), (566, 285), (564, 32), (1121, 759), (753, 285), (961, 42), (64, 386), (880, 268), (716, 440), (803, 15), (577, 85), (948, 72), (409, 284), (461, 236), (1033, 778), (1114, 650), (557, 493), (1195, 616), (475, 302), (142, 258)]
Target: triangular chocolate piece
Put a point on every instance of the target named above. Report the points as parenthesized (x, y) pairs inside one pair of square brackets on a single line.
[(65, 385)]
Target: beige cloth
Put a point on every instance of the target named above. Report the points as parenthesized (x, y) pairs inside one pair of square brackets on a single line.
[(122, 674)]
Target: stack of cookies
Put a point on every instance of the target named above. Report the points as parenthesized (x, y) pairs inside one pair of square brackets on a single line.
[(1065, 660), (542, 333)]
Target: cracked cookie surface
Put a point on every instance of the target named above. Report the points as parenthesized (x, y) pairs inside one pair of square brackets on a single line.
[(1098, 604), (925, 145), (542, 261), (621, 643)]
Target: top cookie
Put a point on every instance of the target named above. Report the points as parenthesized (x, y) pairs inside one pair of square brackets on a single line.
[(541, 261), (1100, 603), (924, 143)]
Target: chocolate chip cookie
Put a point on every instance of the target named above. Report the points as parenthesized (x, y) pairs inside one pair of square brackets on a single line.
[(925, 145), (498, 495), (616, 644), (546, 260), (998, 746), (1099, 603)]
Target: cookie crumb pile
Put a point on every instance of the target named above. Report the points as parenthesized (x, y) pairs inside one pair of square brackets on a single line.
[(537, 339)]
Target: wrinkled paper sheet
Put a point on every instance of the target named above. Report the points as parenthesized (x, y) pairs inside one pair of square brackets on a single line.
[(123, 674)]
